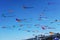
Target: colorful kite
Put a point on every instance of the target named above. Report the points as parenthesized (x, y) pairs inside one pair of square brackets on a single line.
[(43, 27), (18, 20)]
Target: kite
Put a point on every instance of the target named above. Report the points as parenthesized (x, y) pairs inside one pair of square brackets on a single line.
[(3, 27), (25, 7), (9, 16), (43, 27), (51, 22), (43, 17), (13, 26), (39, 18), (49, 3), (51, 33), (50, 28), (56, 20), (37, 25), (3, 15), (18, 20), (19, 29), (24, 19), (21, 25), (42, 14), (27, 30)]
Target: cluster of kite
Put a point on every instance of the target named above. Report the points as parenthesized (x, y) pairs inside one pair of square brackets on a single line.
[(41, 17), (21, 26)]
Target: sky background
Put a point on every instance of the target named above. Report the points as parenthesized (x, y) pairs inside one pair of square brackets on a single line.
[(16, 9)]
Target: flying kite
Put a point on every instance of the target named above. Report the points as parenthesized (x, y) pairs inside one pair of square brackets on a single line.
[(42, 16), (19, 29), (55, 21), (4, 27), (51, 22), (21, 25), (26, 7), (3, 15), (43, 27), (27, 30), (50, 3), (50, 28), (18, 20), (13, 26), (37, 25), (51, 33)]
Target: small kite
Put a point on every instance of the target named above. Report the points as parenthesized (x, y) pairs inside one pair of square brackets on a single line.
[(21, 25), (13, 26), (4, 27), (18, 20), (40, 19), (37, 25), (42, 14), (50, 3), (51, 33), (19, 29), (43, 27), (51, 22), (26, 7), (56, 20), (50, 28), (3, 15), (27, 30)]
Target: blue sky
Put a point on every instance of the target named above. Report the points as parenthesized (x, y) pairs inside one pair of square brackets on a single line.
[(52, 12)]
